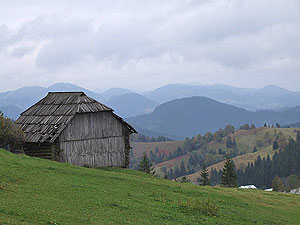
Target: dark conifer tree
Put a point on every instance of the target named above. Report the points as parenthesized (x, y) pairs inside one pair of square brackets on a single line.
[(298, 137), (234, 145), (204, 180), (275, 145), (177, 172), (229, 177), (145, 165), (182, 169), (229, 143), (171, 174), (254, 149)]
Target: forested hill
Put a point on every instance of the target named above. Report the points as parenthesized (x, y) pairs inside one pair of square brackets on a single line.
[(189, 116)]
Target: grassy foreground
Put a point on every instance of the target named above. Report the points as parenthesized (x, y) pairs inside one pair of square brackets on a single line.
[(36, 191)]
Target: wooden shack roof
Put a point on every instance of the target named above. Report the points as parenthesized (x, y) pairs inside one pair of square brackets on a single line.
[(44, 121)]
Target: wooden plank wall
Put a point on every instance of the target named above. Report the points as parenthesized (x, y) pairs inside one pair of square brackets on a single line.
[(41, 150), (93, 139)]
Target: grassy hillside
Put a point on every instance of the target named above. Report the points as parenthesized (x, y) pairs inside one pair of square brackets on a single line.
[(37, 191), (167, 146)]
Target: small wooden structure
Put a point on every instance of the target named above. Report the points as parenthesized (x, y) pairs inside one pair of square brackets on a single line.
[(71, 127)]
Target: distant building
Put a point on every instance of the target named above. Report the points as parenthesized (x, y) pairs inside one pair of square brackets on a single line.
[(71, 127), (295, 191), (248, 187), (269, 189)]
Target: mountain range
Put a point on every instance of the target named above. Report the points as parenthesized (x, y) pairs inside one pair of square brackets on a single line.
[(125, 102), (268, 98), (185, 117), (177, 110)]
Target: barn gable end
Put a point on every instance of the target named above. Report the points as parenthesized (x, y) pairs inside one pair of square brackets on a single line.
[(71, 127), (96, 146)]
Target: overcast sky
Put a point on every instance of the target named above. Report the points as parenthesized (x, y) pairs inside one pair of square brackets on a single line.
[(145, 44)]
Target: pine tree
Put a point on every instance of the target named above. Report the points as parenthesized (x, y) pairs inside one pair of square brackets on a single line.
[(182, 169), (176, 172), (229, 177), (275, 145), (229, 143), (298, 137), (145, 164), (204, 180), (171, 174), (254, 149), (234, 145)]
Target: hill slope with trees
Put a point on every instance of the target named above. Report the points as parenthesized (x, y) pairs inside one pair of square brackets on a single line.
[(243, 145)]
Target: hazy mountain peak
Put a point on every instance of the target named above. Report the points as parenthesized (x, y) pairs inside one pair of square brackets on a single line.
[(273, 89), (64, 87), (131, 104), (115, 92)]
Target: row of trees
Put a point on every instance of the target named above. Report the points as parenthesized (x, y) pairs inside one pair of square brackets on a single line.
[(199, 141), (271, 126), (208, 137), (144, 138), (227, 176)]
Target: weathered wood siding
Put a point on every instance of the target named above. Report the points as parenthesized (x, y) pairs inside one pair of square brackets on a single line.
[(93, 139), (42, 150)]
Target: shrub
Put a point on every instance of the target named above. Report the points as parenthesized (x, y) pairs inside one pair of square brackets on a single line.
[(11, 136), (209, 207), (184, 180)]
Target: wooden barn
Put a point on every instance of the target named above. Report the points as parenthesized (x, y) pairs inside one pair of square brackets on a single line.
[(71, 127)]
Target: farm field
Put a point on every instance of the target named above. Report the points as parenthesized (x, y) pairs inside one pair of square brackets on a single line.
[(37, 191)]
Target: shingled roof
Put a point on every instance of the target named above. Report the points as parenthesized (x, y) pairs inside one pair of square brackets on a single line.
[(44, 121)]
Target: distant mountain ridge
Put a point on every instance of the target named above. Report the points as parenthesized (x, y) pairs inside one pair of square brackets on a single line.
[(190, 116), (268, 98), (128, 103), (12, 103), (113, 92), (131, 104), (123, 101)]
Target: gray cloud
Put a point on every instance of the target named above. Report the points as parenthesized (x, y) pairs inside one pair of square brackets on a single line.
[(101, 44), (22, 51)]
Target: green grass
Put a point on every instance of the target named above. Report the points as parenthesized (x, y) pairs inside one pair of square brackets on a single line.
[(36, 191)]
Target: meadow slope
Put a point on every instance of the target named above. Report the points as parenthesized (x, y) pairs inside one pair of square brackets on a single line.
[(37, 191)]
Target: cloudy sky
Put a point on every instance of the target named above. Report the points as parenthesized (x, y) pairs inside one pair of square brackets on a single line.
[(145, 44)]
